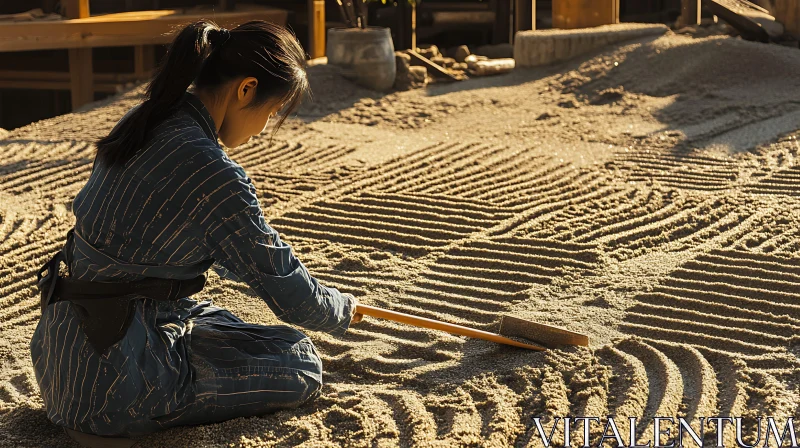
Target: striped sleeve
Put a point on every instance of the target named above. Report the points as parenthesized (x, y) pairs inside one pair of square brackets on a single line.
[(224, 272), (246, 248)]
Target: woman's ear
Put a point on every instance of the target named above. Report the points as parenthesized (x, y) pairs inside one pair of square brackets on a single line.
[(247, 88)]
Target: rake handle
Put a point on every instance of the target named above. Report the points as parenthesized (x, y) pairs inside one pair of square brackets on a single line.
[(439, 325)]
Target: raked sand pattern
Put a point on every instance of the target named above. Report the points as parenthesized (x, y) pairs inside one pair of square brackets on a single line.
[(646, 195)]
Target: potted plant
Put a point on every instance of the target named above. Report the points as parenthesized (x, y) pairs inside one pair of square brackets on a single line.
[(365, 54)]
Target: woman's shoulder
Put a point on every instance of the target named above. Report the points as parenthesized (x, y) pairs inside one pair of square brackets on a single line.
[(179, 137), (178, 150), (178, 129)]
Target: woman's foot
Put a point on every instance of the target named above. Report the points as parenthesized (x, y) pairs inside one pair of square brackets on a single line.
[(93, 441)]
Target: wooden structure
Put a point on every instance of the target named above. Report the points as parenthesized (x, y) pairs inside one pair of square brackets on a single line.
[(406, 26), (544, 47), (751, 21), (570, 14), (524, 15), (441, 16), (690, 13), (316, 28), (787, 12), (81, 32)]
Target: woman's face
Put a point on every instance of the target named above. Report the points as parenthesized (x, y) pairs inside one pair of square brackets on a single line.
[(241, 123)]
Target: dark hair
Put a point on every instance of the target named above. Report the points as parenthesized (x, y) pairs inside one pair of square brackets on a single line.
[(207, 55)]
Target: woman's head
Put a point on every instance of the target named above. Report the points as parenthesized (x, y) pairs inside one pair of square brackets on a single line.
[(252, 72)]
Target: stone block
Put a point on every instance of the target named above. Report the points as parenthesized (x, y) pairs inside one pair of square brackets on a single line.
[(542, 47)]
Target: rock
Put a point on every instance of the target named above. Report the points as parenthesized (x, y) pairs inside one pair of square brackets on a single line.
[(461, 53), (608, 96), (418, 75), (569, 104), (707, 21), (459, 66), (448, 62), (438, 60), (317, 61), (3, 133), (496, 51), (492, 67), (402, 61), (443, 61), (473, 58), (430, 52), (545, 116), (459, 74), (414, 78)]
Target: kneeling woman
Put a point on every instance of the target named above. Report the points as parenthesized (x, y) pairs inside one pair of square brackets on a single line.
[(163, 204)]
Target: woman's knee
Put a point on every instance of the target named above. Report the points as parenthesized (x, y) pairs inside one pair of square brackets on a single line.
[(314, 379)]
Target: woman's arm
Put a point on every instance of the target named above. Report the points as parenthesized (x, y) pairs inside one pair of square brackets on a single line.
[(244, 245), (224, 272)]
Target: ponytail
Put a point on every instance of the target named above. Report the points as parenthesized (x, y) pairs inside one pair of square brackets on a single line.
[(183, 62), (207, 55)]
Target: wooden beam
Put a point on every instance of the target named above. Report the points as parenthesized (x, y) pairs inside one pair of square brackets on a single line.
[(42, 80), (120, 29), (690, 13), (54, 85), (403, 27), (414, 26), (751, 22), (524, 15), (80, 60), (76, 9), (571, 14), (143, 61), (134, 22), (501, 32), (80, 71), (49, 6), (434, 68), (37, 75), (316, 28)]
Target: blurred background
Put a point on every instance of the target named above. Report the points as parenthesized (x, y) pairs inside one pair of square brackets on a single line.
[(36, 84)]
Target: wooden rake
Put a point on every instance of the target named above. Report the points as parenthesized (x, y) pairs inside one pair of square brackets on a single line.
[(549, 336)]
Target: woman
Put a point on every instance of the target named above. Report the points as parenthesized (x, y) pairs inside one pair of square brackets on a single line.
[(165, 202)]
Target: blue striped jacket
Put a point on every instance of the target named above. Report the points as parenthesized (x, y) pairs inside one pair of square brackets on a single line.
[(180, 201)]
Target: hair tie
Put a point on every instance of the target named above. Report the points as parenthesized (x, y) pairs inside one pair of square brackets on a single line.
[(219, 37)]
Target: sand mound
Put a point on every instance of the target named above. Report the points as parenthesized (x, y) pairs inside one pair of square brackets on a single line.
[(717, 64), (737, 92), (579, 195)]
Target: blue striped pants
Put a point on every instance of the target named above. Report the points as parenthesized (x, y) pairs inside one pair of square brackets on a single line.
[(175, 366)]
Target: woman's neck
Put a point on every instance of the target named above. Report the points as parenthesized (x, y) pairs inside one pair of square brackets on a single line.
[(215, 107)]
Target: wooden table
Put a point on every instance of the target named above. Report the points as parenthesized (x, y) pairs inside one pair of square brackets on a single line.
[(141, 29), (120, 29)]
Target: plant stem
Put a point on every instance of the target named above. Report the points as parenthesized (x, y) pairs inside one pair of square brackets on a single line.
[(344, 13), (351, 9), (363, 12)]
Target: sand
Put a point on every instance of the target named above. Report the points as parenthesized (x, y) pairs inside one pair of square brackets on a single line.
[(645, 194)]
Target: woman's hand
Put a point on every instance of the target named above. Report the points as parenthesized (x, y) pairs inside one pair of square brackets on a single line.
[(354, 317)]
